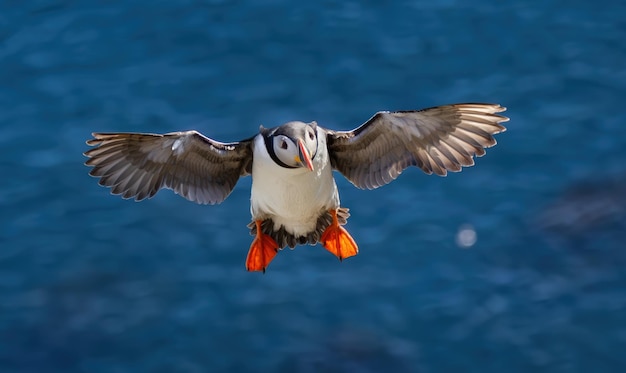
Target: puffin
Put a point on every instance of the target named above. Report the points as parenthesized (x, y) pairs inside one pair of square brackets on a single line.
[(294, 198)]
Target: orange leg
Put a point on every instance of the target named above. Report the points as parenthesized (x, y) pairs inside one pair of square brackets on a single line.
[(337, 240), (262, 250)]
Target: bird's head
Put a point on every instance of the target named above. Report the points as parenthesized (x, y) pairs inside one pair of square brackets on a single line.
[(293, 145)]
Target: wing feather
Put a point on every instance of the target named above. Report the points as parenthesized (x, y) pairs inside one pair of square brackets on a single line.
[(437, 140), (198, 168)]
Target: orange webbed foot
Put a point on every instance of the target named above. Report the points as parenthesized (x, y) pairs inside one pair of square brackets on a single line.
[(337, 240), (262, 250)]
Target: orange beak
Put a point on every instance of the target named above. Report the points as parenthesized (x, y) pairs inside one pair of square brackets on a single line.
[(304, 156)]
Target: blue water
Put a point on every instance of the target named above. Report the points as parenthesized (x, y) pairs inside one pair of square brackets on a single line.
[(92, 283)]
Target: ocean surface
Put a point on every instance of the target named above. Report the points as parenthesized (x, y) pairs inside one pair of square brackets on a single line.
[(93, 283)]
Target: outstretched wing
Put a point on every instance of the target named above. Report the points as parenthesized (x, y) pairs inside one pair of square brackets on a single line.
[(196, 167), (438, 140)]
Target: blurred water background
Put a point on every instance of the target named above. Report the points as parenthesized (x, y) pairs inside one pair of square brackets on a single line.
[(92, 283)]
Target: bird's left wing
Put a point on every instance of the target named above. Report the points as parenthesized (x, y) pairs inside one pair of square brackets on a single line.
[(198, 168), (438, 140)]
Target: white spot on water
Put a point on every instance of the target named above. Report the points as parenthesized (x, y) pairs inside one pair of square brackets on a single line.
[(466, 236)]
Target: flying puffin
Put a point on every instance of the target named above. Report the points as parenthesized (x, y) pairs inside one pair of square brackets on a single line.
[(294, 198)]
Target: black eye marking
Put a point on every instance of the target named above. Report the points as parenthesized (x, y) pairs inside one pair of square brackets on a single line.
[(311, 135), (283, 144)]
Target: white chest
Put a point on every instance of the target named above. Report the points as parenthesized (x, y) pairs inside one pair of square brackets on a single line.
[(293, 198)]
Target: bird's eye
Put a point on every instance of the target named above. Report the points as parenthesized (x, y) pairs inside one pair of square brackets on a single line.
[(283, 144), (311, 135)]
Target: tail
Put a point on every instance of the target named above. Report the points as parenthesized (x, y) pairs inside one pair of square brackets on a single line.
[(284, 238)]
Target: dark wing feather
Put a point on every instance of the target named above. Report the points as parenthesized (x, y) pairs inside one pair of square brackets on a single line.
[(198, 168), (439, 139)]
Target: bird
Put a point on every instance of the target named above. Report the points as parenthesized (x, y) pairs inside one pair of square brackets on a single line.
[(294, 198)]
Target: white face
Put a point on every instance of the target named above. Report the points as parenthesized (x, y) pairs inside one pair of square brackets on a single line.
[(288, 150)]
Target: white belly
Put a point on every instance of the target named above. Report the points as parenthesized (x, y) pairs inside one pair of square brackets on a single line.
[(293, 198)]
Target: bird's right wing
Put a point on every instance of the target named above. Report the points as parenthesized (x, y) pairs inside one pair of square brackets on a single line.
[(198, 168)]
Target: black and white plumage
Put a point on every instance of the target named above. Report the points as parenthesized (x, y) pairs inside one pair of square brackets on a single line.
[(294, 198)]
